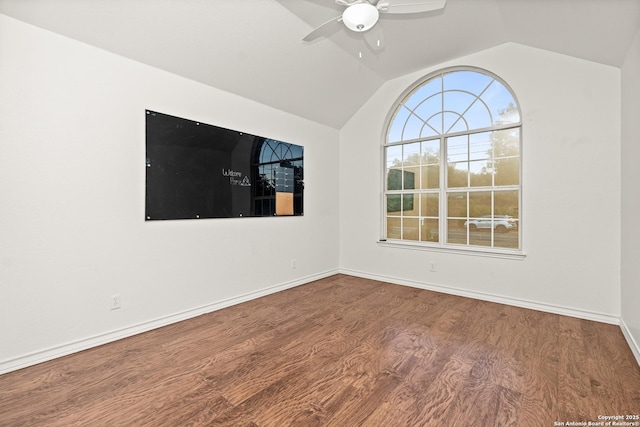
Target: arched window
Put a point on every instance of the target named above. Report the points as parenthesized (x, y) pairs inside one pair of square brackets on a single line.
[(452, 163)]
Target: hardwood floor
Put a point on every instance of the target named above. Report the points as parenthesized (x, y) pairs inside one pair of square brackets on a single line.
[(341, 351)]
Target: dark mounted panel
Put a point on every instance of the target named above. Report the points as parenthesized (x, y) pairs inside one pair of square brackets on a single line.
[(196, 170)]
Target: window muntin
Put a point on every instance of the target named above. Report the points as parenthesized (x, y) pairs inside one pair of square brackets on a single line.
[(452, 163)]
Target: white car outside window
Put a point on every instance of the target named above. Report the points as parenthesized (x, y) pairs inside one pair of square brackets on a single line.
[(500, 223)]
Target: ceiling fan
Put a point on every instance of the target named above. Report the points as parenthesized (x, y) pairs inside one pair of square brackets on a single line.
[(362, 15)]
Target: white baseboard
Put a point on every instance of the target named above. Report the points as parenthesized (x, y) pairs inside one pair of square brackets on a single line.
[(635, 348), (533, 305), (36, 357)]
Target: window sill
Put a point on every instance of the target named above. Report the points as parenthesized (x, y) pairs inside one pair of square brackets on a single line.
[(462, 250)]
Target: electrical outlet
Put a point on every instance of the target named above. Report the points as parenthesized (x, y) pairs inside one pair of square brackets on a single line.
[(432, 267), (294, 264), (115, 302)]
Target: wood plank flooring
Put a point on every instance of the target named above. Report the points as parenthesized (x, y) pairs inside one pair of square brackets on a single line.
[(341, 351)]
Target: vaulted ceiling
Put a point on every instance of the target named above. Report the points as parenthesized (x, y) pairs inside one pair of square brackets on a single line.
[(254, 48)]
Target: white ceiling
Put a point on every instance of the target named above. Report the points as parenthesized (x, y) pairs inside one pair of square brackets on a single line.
[(254, 48)]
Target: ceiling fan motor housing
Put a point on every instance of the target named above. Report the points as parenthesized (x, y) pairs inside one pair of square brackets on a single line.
[(360, 17)]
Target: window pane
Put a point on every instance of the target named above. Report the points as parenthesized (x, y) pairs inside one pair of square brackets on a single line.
[(411, 162), (395, 131), (411, 154), (458, 126), (507, 171), (394, 156), (506, 219), (429, 107), (410, 228), (411, 177), (458, 101), (501, 103), (394, 179), (468, 80), (394, 162), (430, 177), (425, 91), (509, 115), (478, 116), (506, 203), (509, 240), (431, 152), (412, 127), (479, 204), (429, 230), (456, 233), (428, 131), (457, 205), (410, 204), (506, 143), (393, 228), (457, 175), (453, 122), (429, 204), (394, 202), (479, 236), (480, 173), (480, 146), (457, 148), (435, 124)]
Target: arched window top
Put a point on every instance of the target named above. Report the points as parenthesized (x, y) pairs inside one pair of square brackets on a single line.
[(454, 101)]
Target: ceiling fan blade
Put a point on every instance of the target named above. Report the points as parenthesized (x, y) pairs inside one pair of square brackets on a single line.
[(409, 6), (322, 29), (375, 38)]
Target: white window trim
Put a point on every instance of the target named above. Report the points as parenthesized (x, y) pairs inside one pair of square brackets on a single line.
[(453, 249), (441, 247)]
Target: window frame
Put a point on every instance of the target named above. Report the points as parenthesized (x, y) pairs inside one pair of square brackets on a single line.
[(443, 190)]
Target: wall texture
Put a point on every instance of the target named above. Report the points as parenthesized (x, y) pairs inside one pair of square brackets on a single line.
[(571, 191), (72, 178), (631, 196)]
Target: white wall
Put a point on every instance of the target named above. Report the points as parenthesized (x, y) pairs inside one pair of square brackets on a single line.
[(72, 177), (72, 229), (631, 196), (571, 191)]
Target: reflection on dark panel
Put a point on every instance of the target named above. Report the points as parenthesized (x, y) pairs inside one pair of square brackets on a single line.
[(196, 170)]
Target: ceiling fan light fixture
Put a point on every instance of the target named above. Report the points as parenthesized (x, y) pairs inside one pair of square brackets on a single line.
[(360, 17)]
